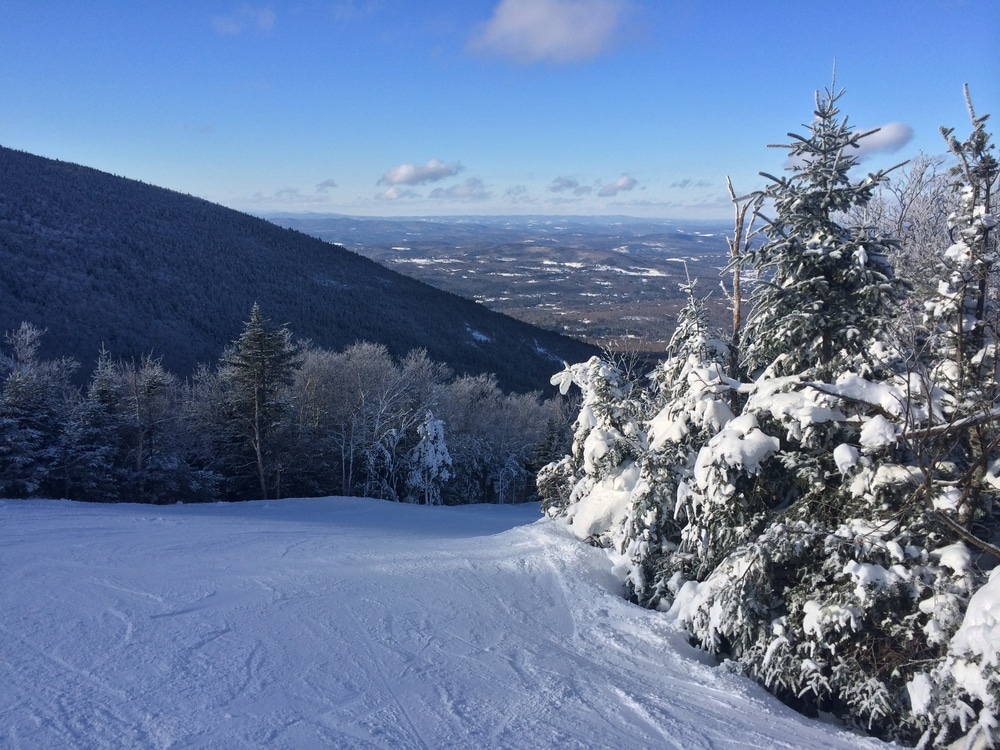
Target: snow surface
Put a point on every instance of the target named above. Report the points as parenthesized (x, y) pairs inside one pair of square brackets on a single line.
[(346, 623)]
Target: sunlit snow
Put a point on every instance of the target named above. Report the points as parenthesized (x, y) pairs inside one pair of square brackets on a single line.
[(346, 623)]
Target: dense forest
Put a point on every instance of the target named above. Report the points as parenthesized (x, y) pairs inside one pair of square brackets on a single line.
[(273, 417), (99, 261), (813, 494)]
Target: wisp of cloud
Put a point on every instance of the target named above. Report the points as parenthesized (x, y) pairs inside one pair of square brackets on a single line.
[(562, 31), (412, 174)]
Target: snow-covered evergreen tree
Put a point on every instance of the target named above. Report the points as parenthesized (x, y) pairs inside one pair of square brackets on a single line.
[(957, 443), (689, 404), (600, 474), (258, 370), (95, 435), (35, 399), (823, 289), (819, 538), (430, 463), (801, 509)]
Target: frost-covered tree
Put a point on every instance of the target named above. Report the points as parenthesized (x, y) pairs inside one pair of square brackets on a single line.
[(607, 442), (913, 206), (492, 438), (157, 445), (824, 290), (430, 463), (95, 437), (957, 443), (35, 400), (964, 311)]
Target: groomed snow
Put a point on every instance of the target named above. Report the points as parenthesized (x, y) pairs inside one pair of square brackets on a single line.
[(346, 623)]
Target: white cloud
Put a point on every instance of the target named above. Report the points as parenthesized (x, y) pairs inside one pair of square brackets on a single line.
[(689, 183), (562, 184), (470, 190), (411, 174), (396, 193), (622, 183), (326, 185), (519, 194), (890, 138), (261, 19), (530, 31)]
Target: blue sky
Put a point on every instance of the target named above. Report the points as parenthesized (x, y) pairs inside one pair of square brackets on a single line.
[(412, 107)]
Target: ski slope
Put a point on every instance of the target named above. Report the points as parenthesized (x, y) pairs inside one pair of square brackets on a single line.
[(346, 623)]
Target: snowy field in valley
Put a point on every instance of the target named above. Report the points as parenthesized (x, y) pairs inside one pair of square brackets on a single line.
[(346, 623)]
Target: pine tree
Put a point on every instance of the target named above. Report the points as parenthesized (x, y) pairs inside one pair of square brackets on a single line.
[(35, 401), (608, 439), (95, 466), (690, 403), (258, 369), (824, 290)]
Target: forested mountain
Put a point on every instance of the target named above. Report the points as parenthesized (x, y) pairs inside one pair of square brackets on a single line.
[(99, 260)]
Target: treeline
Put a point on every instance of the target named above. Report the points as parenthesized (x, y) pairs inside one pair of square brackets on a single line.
[(273, 418)]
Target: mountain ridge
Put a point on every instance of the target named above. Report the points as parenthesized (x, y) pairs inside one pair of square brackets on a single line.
[(105, 261)]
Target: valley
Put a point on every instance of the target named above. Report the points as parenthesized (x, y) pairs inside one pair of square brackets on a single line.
[(611, 281)]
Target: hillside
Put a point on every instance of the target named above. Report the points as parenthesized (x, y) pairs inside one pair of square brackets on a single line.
[(100, 260)]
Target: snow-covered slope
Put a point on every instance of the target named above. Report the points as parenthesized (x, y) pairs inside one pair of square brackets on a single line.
[(345, 623)]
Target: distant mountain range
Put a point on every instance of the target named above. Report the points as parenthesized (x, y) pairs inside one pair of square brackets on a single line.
[(609, 280), (100, 260)]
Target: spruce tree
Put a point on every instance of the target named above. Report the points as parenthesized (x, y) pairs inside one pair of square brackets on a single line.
[(36, 397), (258, 369), (95, 465), (601, 470), (689, 404), (823, 290)]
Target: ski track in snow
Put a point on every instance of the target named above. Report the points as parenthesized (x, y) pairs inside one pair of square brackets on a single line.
[(346, 623)]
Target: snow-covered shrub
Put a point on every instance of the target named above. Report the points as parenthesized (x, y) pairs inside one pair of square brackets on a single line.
[(607, 441), (554, 484), (961, 696), (689, 401)]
